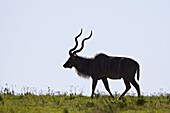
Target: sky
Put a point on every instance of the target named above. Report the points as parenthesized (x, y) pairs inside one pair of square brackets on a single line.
[(36, 35)]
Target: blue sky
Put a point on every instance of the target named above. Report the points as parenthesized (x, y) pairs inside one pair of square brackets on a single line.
[(36, 35)]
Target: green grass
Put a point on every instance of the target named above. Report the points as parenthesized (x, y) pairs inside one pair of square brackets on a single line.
[(28, 102)]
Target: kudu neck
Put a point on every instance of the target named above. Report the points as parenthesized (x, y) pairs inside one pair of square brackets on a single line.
[(82, 64)]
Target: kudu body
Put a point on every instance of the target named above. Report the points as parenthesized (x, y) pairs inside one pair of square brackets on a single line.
[(102, 67)]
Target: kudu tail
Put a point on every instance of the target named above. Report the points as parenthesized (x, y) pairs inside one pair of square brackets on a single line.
[(138, 71)]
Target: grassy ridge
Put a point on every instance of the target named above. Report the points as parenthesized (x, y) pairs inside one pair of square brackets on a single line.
[(30, 103)]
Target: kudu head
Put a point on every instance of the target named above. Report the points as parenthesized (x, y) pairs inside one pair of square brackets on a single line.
[(73, 54)]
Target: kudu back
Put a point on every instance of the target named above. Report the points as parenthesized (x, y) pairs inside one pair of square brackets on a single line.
[(102, 67)]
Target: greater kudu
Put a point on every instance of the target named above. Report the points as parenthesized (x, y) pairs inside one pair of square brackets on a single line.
[(102, 67)]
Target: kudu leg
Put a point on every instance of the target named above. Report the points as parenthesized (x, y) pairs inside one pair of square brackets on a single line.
[(93, 87), (136, 85), (105, 82), (127, 88)]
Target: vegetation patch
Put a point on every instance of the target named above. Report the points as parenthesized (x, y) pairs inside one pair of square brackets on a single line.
[(28, 102)]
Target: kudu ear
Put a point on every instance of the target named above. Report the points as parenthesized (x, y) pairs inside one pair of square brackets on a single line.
[(73, 55)]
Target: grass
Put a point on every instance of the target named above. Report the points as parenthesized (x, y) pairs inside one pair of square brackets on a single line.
[(28, 102)]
